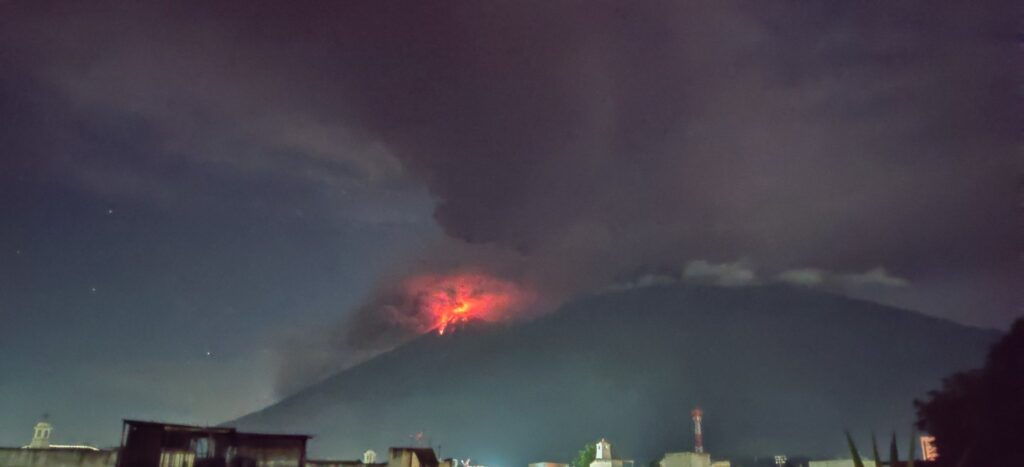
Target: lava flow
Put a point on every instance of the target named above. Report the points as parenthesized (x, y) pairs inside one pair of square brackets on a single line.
[(445, 300)]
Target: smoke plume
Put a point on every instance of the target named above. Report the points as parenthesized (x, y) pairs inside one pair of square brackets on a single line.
[(589, 142), (570, 146)]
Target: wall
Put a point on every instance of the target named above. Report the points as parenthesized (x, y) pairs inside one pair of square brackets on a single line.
[(332, 463), (686, 459), (401, 458), (261, 450), (271, 456), (548, 464), (840, 463), (17, 457)]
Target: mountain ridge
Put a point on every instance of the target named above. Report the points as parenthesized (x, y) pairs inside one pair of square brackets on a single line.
[(628, 365)]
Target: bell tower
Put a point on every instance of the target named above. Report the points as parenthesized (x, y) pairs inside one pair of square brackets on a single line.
[(604, 450), (41, 436)]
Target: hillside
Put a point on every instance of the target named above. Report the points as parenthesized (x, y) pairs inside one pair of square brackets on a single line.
[(776, 370)]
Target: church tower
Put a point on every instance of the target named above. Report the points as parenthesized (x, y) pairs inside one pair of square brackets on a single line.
[(604, 450), (41, 436), (603, 456)]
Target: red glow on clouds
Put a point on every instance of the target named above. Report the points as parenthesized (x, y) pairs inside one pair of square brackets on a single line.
[(446, 300)]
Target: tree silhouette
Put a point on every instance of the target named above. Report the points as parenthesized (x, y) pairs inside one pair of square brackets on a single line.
[(585, 456), (977, 417)]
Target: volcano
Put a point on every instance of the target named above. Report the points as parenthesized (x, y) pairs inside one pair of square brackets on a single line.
[(775, 369)]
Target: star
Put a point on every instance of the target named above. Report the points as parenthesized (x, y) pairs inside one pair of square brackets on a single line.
[(92, 289)]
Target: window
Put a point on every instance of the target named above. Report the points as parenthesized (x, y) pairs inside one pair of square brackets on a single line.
[(201, 447)]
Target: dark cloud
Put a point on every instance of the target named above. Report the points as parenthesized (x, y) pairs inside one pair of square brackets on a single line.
[(596, 138), (575, 145)]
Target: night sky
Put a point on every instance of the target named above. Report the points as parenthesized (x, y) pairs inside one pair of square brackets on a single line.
[(207, 205)]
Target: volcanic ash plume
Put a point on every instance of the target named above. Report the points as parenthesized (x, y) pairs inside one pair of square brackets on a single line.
[(587, 141)]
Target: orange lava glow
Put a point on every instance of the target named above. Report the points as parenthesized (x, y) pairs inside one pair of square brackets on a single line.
[(446, 300)]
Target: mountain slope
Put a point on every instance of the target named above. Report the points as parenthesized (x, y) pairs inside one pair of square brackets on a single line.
[(776, 370)]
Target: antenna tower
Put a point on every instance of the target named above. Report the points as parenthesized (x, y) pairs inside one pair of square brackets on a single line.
[(698, 435)]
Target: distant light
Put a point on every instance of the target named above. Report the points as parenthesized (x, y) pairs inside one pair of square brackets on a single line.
[(928, 450), (64, 446)]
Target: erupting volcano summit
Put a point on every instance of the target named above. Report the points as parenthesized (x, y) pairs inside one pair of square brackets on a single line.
[(444, 300)]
